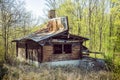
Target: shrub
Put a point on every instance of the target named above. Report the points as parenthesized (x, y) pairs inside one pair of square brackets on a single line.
[(3, 70)]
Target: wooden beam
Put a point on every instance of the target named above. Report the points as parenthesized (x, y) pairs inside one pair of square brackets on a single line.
[(26, 51), (41, 53), (16, 48)]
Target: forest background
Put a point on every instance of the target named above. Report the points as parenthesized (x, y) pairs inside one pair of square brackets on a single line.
[(98, 20)]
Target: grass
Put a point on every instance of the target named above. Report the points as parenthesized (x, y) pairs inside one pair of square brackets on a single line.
[(27, 72), (22, 71)]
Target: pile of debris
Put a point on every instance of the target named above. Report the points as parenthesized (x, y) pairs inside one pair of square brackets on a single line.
[(92, 64)]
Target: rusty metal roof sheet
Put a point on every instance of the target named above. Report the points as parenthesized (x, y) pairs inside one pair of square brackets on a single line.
[(41, 35), (54, 27)]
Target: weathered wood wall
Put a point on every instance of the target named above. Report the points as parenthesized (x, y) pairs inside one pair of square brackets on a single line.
[(29, 51), (49, 56), (46, 53), (21, 51)]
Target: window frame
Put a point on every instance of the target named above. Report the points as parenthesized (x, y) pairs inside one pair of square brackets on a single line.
[(56, 46), (67, 48), (63, 50)]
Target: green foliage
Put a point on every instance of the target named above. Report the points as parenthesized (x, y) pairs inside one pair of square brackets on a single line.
[(98, 20), (92, 19), (15, 22), (99, 23)]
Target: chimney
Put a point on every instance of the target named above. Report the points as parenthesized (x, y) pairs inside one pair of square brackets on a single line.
[(51, 14)]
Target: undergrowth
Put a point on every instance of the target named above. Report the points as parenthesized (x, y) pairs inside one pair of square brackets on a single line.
[(15, 70)]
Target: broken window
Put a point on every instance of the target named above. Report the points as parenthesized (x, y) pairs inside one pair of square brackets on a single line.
[(67, 48), (57, 49), (62, 48)]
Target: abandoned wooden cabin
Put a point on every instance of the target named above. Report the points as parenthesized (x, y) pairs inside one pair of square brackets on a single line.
[(52, 43)]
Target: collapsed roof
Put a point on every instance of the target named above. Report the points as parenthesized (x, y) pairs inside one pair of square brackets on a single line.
[(55, 27)]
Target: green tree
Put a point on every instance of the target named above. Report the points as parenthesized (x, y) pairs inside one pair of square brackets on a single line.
[(11, 17)]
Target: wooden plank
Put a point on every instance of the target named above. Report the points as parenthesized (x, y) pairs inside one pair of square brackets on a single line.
[(26, 51), (16, 48), (41, 53)]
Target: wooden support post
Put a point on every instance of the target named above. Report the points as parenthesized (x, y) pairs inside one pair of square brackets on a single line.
[(16, 48), (41, 53), (26, 51), (63, 49), (80, 51), (32, 55)]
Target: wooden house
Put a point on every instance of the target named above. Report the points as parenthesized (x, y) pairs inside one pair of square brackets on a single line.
[(52, 43)]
